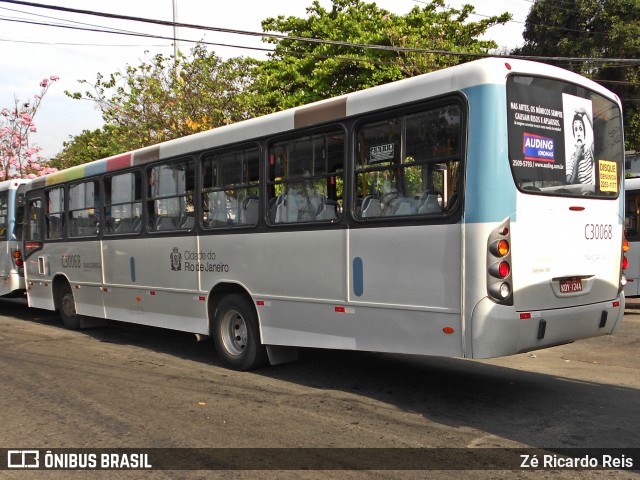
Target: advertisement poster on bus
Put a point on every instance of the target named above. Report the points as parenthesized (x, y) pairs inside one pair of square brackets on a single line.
[(550, 135)]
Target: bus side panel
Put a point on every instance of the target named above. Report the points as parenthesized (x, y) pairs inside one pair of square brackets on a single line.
[(362, 328), (79, 263), (5, 271), (418, 266), (148, 281), (288, 265)]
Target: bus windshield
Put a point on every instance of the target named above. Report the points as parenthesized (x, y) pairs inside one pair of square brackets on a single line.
[(563, 139)]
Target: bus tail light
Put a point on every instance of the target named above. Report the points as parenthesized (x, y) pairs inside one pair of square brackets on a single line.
[(499, 275), (500, 291), (624, 263), (17, 258)]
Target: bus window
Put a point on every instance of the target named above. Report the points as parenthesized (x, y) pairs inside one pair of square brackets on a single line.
[(230, 188), (34, 223), (55, 213), (123, 204), (306, 178), (408, 164), (563, 139), (170, 203), (84, 203)]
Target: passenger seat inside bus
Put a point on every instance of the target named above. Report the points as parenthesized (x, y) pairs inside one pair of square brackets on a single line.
[(287, 207), (428, 203), (218, 210), (165, 223), (328, 210), (249, 211), (371, 207)]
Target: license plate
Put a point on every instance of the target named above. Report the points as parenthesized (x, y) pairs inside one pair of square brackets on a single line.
[(570, 285)]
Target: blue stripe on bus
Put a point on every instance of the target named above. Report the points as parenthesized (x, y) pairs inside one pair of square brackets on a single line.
[(358, 277), (132, 266), (490, 192)]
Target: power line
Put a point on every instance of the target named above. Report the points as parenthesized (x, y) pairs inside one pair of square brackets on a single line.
[(115, 32), (315, 40), (67, 21)]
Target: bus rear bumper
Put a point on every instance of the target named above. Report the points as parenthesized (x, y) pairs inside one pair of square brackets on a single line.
[(498, 330), (13, 285)]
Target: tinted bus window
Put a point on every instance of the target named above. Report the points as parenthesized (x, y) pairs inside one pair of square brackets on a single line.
[(55, 213), (170, 203), (34, 220), (230, 188), (123, 203), (306, 178), (409, 164), (84, 209)]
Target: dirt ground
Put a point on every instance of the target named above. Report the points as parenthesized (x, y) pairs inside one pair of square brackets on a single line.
[(136, 387)]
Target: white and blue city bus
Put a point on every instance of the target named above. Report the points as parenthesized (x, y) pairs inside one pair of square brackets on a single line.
[(437, 215), (12, 283)]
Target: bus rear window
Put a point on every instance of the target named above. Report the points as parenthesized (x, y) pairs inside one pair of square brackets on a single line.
[(563, 139)]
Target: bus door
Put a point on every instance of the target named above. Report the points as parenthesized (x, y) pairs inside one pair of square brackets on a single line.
[(37, 269)]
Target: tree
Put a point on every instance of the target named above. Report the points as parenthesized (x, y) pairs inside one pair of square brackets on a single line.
[(300, 71), (18, 157), (167, 97), (599, 29), (88, 146), (161, 99)]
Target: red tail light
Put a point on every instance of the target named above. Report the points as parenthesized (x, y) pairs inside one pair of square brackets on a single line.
[(624, 263), (503, 269)]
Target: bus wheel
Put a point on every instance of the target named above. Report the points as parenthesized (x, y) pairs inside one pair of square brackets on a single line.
[(236, 335), (67, 305)]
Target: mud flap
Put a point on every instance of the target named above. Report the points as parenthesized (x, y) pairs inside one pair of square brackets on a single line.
[(278, 354)]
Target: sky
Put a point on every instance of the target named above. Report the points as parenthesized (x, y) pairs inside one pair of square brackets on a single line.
[(31, 52)]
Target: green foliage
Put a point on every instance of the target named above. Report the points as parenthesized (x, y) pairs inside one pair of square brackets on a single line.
[(161, 99), (166, 97), (300, 72), (88, 146), (592, 29)]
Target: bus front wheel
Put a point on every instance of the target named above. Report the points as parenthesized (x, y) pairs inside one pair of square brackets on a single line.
[(236, 335), (67, 306)]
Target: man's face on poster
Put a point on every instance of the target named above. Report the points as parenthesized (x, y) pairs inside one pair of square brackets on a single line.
[(578, 131)]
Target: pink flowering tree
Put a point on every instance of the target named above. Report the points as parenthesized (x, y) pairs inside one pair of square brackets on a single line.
[(18, 157)]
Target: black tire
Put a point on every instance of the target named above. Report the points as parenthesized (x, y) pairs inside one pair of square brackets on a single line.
[(236, 335), (67, 308)]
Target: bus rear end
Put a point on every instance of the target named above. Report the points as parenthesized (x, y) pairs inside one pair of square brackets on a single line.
[(554, 263)]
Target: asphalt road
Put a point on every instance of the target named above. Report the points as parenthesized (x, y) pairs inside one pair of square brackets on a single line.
[(135, 387)]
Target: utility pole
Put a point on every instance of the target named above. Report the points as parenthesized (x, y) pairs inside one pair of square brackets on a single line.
[(175, 29)]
